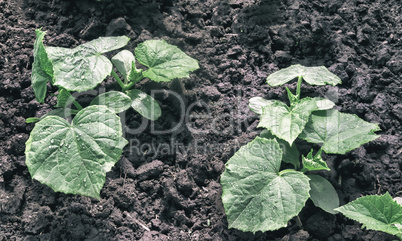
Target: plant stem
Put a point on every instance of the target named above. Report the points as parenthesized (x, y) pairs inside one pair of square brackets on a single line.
[(299, 81), (122, 85), (77, 105), (127, 87), (138, 79), (298, 221)]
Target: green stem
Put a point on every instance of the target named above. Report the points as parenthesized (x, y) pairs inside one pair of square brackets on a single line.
[(122, 85), (298, 221), (77, 105), (299, 81), (127, 87), (132, 83)]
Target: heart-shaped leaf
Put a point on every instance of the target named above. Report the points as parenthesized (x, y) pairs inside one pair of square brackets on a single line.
[(164, 61), (256, 196), (338, 132), (42, 68), (74, 158), (145, 104), (323, 194), (84, 67), (376, 213), (312, 75), (116, 101), (287, 122)]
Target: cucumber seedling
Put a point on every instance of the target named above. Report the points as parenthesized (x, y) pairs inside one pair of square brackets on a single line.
[(74, 157), (257, 194)]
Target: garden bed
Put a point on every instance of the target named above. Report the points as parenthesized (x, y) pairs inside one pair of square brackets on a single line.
[(167, 185)]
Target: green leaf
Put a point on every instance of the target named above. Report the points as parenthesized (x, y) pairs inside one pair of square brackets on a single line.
[(314, 163), (379, 213), (292, 98), (42, 69), (125, 64), (31, 120), (84, 67), (287, 123), (164, 61), (257, 103), (323, 194), (312, 75), (135, 74), (145, 104), (64, 98), (290, 153), (323, 103), (74, 158), (256, 196), (116, 101), (339, 132)]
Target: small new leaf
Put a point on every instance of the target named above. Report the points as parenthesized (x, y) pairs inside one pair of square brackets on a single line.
[(256, 196), (323, 194), (379, 213), (287, 122), (314, 163), (338, 132), (74, 158), (312, 75), (42, 69), (135, 74), (125, 64), (145, 104), (292, 98), (164, 61), (84, 67)]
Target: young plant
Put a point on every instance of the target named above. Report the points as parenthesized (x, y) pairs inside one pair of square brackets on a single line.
[(380, 213), (74, 157), (257, 194)]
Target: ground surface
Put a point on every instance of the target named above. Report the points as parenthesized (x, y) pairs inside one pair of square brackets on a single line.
[(169, 183)]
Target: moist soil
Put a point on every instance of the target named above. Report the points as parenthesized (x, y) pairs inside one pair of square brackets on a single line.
[(166, 185)]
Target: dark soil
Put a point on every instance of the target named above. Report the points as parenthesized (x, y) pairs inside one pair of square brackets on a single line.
[(166, 186)]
